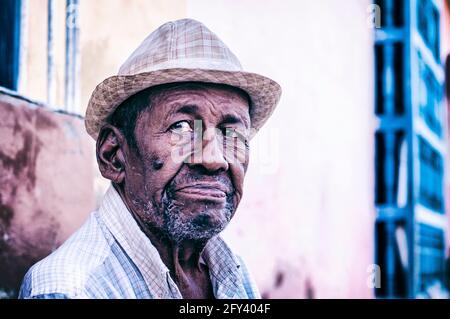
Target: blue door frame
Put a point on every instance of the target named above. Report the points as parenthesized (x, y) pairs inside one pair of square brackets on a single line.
[(410, 149), (10, 13)]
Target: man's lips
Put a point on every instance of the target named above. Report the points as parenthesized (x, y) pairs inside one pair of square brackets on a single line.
[(206, 191)]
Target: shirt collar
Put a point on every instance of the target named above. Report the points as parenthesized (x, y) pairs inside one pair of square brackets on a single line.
[(223, 264)]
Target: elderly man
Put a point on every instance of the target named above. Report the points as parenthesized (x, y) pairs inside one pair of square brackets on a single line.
[(172, 131)]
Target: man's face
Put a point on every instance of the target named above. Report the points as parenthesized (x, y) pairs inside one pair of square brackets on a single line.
[(187, 176)]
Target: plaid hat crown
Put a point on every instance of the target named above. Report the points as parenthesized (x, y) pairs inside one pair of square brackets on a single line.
[(181, 44), (180, 51)]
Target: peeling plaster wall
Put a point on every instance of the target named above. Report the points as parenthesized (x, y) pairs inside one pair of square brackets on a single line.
[(46, 178)]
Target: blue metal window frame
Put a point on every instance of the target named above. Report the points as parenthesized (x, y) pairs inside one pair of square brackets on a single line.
[(10, 18), (422, 121)]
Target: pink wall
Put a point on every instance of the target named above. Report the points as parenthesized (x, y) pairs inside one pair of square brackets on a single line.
[(46, 178)]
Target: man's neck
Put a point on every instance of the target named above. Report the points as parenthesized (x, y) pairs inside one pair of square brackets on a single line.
[(181, 258), (185, 255)]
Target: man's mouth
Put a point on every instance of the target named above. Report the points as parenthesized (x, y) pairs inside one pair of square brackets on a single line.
[(214, 192)]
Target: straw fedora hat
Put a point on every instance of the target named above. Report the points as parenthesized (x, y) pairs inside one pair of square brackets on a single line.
[(181, 51)]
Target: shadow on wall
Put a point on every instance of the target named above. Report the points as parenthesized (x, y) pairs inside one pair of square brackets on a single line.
[(280, 278), (46, 184)]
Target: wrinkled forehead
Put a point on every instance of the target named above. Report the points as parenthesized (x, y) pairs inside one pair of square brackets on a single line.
[(197, 91)]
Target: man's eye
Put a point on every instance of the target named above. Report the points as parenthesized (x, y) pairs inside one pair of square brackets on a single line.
[(233, 133), (181, 127)]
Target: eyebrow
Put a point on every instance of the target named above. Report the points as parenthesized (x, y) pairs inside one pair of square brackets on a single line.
[(232, 119), (190, 109)]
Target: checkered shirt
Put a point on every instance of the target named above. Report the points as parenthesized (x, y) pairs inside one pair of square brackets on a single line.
[(110, 257)]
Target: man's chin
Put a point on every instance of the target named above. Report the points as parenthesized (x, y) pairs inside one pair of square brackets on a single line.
[(209, 221), (197, 226)]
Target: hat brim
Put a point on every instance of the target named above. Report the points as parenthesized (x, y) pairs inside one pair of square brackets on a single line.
[(108, 95)]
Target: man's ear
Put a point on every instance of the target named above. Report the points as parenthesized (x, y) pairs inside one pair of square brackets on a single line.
[(110, 153)]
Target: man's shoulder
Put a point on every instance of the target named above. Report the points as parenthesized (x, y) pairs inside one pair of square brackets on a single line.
[(67, 270)]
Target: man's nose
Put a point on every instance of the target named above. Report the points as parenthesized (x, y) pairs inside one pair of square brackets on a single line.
[(212, 157)]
